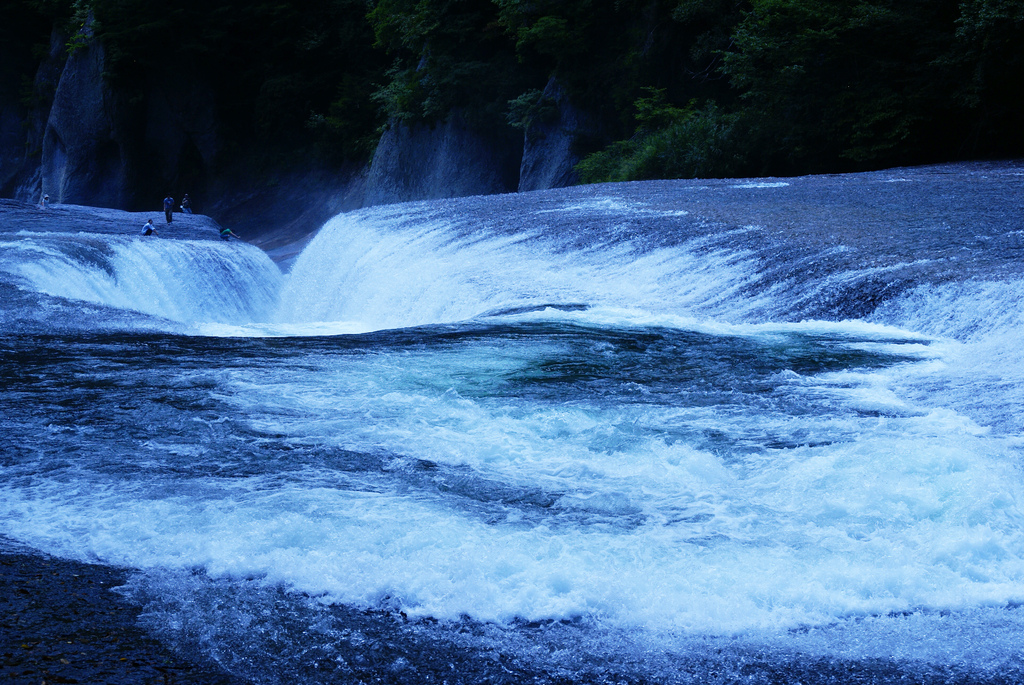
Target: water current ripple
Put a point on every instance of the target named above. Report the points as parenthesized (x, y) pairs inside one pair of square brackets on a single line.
[(764, 431)]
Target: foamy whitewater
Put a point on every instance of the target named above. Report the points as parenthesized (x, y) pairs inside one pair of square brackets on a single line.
[(673, 432)]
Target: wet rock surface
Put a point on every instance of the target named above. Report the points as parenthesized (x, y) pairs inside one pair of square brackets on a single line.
[(20, 216), (63, 622), (450, 159)]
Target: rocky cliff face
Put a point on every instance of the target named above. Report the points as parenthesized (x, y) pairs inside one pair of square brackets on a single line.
[(181, 135), (448, 159), (88, 144), (549, 146), (12, 145), (84, 156), (277, 215), (23, 123)]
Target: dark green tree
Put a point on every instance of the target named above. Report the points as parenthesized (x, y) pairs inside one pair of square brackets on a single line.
[(447, 55), (990, 52), (25, 28), (676, 87), (288, 75), (845, 84)]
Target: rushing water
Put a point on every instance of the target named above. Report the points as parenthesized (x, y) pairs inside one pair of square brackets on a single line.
[(674, 432)]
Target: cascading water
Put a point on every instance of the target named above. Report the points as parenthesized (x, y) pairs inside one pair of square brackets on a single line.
[(187, 282), (678, 432), (384, 269)]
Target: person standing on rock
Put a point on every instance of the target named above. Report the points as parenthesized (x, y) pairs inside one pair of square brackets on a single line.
[(149, 228), (168, 207), (186, 204)]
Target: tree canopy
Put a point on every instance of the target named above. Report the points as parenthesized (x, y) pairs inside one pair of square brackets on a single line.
[(676, 87)]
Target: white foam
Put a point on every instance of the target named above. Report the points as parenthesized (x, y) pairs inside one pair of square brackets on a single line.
[(879, 504), (183, 281), (842, 497), (764, 184), (970, 310), (375, 270), (875, 527), (281, 330)]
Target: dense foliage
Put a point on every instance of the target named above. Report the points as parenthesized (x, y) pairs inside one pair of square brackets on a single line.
[(674, 87), (25, 27), (837, 86), (286, 74)]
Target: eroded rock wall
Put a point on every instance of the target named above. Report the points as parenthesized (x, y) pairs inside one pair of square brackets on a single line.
[(181, 137), (84, 159), (447, 159), (84, 142), (23, 123), (550, 143)]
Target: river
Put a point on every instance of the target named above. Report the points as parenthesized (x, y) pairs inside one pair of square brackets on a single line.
[(757, 431)]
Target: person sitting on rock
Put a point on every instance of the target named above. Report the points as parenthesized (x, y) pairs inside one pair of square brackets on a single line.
[(149, 228), (45, 202), (227, 233), (168, 207)]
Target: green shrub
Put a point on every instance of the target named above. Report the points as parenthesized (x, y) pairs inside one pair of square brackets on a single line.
[(670, 143)]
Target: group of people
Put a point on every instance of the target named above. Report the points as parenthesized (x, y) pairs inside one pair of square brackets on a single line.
[(186, 206), (150, 229)]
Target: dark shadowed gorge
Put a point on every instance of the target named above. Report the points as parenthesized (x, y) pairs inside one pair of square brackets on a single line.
[(274, 117)]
